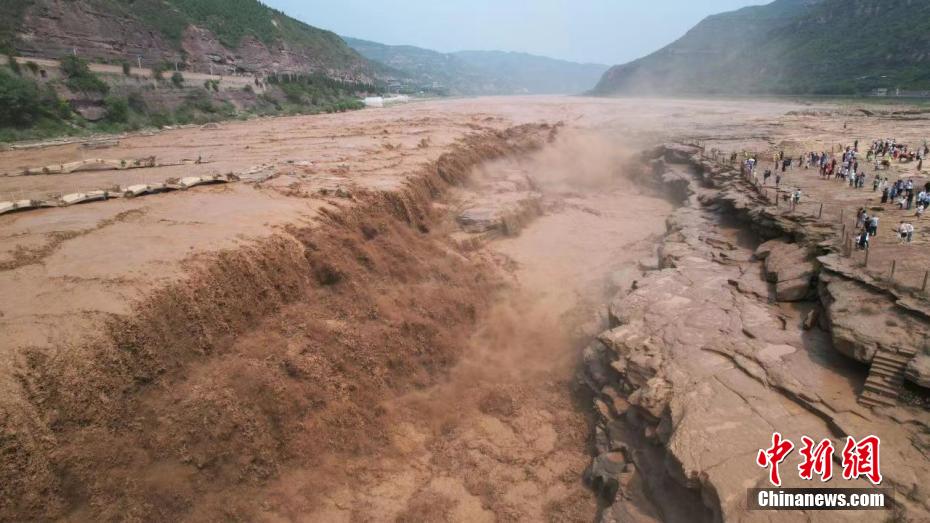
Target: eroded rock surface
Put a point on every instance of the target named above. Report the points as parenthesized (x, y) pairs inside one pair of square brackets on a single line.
[(700, 367), (918, 370), (790, 268), (863, 321)]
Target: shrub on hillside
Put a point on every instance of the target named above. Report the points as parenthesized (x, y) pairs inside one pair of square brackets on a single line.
[(117, 109), (177, 79), (158, 70), (80, 78), (137, 102), (14, 65), (20, 103)]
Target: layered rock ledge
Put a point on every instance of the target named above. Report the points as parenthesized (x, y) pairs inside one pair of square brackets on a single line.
[(729, 340)]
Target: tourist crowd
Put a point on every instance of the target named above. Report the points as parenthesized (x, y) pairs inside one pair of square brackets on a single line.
[(849, 167)]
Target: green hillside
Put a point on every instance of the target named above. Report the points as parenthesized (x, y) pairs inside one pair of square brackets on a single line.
[(842, 47), (288, 67)]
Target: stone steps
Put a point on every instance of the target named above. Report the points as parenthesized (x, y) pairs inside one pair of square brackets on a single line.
[(886, 377), (870, 399)]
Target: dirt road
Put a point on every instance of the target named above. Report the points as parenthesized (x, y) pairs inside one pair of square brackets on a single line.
[(227, 82)]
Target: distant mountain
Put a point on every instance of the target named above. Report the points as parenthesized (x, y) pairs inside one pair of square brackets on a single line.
[(482, 72), (224, 36), (790, 47), (419, 68), (534, 74)]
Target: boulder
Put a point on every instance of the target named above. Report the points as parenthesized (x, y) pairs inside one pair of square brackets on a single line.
[(604, 472), (793, 290), (479, 219), (596, 371), (679, 153), (676, 182), (789, 268), (503, 213), (860, 320), (812, 319), (918, 370), (762, 251), (91, 113), (787, 261)]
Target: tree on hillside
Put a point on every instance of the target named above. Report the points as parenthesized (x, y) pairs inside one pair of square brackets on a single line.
[(14, 65), (20, 104), (80, 78)]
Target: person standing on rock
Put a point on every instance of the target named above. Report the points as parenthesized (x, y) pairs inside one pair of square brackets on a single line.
[(906, 231), (873, 225), (862, 242)]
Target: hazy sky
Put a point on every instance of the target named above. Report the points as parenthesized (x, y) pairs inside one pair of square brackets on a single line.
[(605, 31)]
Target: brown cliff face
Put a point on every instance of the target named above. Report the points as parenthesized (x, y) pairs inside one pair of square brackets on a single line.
[(105, 31), (52, 29)]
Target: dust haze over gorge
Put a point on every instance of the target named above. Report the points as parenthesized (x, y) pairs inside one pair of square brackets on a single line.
[(503, 436)]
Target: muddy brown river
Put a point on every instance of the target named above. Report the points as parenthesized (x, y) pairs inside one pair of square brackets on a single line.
[(385, 319)]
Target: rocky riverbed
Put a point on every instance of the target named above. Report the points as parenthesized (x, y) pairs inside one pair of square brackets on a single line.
[(334, 339), (725, 340)]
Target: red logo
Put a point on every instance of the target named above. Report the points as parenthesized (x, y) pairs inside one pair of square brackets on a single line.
[(817, 460), (773, 456), (861, 459)]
